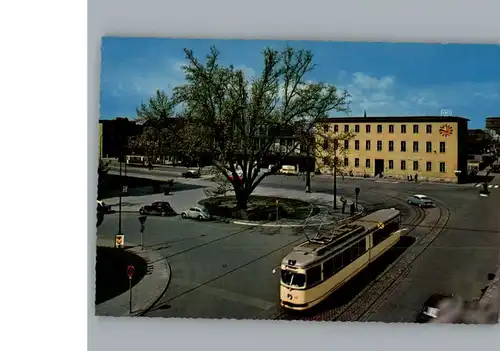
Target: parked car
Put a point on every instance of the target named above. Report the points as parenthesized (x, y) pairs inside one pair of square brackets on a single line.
[(191, 174), (289, 170), (198, 212), (430, 308), (420, 201), (102, 207), (158, 208)]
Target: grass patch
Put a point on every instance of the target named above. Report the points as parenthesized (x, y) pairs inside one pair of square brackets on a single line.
[(260, 208)]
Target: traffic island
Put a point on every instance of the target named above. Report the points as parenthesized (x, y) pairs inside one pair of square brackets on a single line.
[(260, 208), (150, 279)]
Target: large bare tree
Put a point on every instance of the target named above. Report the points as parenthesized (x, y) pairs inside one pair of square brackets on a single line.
[(242, 120)]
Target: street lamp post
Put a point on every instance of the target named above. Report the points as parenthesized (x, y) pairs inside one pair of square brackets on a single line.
[(357, 194), (120, 197), (335, 160)]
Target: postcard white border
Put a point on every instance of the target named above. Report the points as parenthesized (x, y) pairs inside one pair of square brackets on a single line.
[(44, 112)]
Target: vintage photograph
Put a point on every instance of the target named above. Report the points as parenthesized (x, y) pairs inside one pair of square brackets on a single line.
[(298, 180)]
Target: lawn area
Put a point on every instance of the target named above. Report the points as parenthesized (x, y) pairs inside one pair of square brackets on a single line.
[(260, 208)]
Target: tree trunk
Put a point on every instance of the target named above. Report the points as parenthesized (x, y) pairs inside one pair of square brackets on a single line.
[(242, 197)]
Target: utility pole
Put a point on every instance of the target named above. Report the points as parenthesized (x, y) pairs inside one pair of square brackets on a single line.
[(335, 147)]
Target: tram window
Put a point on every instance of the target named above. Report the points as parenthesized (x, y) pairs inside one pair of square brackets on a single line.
[(313, 275), (351, 254), (361, 247), (382, 234), (293, 279), (328, 268), (337, 262)]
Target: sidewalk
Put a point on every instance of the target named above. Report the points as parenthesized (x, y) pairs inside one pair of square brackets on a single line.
[(145, 293), (397, 180)]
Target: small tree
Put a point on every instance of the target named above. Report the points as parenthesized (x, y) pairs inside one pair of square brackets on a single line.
[(242, 121), (157, 130), (331, 149)]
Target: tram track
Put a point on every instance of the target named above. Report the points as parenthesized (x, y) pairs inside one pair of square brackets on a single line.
[(341, 312)]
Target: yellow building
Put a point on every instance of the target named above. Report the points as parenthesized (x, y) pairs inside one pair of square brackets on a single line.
[(432, 147)]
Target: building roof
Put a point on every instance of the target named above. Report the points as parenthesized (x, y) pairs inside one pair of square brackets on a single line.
[(395, 119)]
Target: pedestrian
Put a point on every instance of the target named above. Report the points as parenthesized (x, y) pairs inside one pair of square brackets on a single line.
[(416, 178)]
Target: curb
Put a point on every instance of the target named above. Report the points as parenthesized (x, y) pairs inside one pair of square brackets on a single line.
[(158, 280), (258, 224)]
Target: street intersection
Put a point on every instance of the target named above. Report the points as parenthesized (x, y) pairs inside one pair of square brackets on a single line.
[(224, 270)]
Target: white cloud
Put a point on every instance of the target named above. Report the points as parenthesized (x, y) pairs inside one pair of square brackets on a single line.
[(383, 95), (386, 96)]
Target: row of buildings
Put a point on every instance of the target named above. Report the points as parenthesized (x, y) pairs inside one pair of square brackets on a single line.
[(432, 147)]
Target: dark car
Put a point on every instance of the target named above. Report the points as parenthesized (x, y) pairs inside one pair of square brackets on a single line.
[(158, 208), (191, 174), (430, 309)]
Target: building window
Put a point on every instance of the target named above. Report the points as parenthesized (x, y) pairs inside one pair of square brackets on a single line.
[(367, 163), (368, 145), (415, 165), (442, 147), (403, 146), (415, 146), (442, 167), (379, 128), (403, 165), (346, 128), (325, 145), (428, 129), (403, 129), (428, 166), (346, 162), (415, 129), (391, 164), (326, 127), (335, 144), (356, 144), (336, 128), (356, 128), (379, 145), (391, 128), (428, 146), (346, 144), (391, 145), (356, 162), (368, 128)]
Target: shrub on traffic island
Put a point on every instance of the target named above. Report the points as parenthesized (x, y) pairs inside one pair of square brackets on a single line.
[(260, 208)]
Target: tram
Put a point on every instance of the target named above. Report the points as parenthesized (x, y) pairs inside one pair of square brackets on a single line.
[(320, 266)]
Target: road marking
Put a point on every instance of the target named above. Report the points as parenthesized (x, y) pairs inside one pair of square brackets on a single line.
[(386, 181), (478, 185), (490, 186), (232, 296), (496, 186)]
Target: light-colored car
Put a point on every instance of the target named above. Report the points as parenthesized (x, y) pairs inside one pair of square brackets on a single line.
[(197, 212), (420, 201), (288, 169)]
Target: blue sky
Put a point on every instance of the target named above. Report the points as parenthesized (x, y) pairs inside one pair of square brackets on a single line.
[(385, 79)]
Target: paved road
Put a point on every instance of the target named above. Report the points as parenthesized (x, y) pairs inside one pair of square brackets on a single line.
[(224, 271)]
